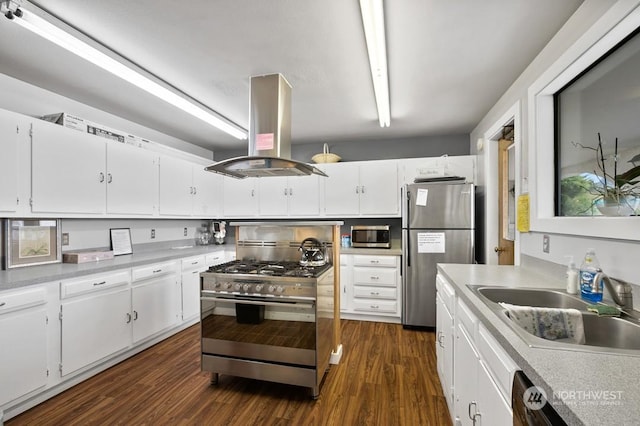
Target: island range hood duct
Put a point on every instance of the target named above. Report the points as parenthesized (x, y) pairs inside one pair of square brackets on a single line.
[(269, 135)]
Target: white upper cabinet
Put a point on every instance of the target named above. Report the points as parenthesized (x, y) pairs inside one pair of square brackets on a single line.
[(207, 197), (176, 186), (186, 189), (289, 196), (240, 197), (368, 188), (132, 179), (68, 170), (9, 133)]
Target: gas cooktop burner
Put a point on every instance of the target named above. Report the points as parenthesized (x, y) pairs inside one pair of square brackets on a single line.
[(269, 268)]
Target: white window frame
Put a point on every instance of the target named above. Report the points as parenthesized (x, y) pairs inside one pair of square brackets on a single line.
[(620, 21)]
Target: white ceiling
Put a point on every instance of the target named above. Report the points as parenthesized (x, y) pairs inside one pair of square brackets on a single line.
[(449, 61)]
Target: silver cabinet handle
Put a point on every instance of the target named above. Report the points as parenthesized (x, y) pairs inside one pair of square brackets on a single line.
[(473, 404), (357, 189), (362, 189), (375, 293), (157, 270), (135, 315), (109, 178), (441, 339), (375, 306), (101, 177), (375, 261), (290, 191), (253, 192), (100, 283), (2, 304), (128, 317), (375, 278), (191, 190), (195, 190), (195, 272)]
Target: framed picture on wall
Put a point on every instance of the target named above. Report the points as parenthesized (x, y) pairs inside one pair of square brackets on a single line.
[(31, 242)]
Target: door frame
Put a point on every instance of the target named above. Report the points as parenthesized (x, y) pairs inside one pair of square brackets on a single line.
[(491, 138)]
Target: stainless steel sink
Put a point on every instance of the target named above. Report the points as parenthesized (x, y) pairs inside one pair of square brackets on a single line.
[(602, 334)]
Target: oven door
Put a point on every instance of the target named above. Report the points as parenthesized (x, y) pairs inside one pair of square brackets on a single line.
[(260, 329)]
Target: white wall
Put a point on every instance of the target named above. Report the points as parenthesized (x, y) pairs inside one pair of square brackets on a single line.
[(616, 256), (24, 98)]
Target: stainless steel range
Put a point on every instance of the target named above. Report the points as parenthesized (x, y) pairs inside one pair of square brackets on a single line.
[(265, 316)]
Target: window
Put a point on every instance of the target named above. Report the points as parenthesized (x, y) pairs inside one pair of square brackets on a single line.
[(597, 136)]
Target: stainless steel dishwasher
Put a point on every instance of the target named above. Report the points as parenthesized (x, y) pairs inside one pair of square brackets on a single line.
[(523, 414)]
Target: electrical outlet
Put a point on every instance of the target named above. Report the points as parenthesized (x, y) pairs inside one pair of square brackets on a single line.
[(185, 232), (153, 234), (545, 243), (65, 238)]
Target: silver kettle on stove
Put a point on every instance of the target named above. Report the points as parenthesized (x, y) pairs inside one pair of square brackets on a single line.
[(313, 252)]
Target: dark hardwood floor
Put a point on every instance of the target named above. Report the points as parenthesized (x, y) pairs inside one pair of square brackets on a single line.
[(387, 376)]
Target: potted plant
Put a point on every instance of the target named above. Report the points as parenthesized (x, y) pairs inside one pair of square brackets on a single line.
[(615, 194)]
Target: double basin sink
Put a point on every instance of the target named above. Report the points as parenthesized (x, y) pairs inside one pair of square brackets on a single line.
[(618, 335)]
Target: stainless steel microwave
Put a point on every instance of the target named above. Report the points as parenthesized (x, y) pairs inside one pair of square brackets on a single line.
[(371, 236)]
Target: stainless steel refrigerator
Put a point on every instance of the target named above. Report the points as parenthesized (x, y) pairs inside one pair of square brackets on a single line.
[(437, 227)]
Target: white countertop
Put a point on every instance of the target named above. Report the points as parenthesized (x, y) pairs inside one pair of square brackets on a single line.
[(560, 371), (30, 275)]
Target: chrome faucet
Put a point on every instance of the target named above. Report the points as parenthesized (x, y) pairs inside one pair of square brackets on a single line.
[(621, 291)]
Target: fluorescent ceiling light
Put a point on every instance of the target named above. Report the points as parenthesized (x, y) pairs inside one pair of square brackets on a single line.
[(373, 22), (47, 30)]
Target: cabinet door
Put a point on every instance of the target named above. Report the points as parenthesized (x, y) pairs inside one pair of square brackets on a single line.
[(465, 376), (379, 189), (240, 197), (304, 195), (9, 161), (67, 170), (155, 306), (444, 349), (346, 282), (493, 409), (341, 189), (23, 354), (207, 197), (132, 179), (94, 327), (176, 187), (274, 196), (190, 294)]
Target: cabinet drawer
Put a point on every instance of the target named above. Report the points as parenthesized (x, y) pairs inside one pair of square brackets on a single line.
[(195, 262), (72, 288), (215, 258), (501, 366), (375, 292), (385, 277), (466, 318), (12, 301), (384, 306), (154, 270), (382, 261), (446, 292)]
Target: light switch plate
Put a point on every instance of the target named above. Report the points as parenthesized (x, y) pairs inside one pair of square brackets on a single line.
[(153, 233), (545, 243), (65, 238)]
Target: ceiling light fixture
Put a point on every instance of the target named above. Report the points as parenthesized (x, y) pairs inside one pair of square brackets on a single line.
[(373, 22), (42, 27)]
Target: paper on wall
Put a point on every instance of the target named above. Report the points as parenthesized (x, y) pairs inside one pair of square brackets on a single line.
[(431, 242), (421, 199)]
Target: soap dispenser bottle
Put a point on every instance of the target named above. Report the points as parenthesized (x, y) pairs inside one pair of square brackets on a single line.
[(590, 290), (572, 277)]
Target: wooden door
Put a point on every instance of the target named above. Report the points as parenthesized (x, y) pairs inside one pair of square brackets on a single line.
[(505, 249)]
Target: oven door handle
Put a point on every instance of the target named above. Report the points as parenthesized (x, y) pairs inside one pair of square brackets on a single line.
[(257, 302)]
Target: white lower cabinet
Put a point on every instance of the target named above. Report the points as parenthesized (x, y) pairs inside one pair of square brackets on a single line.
[(155, 299), (370, 286), (190, 283), (23, 351), (95, 319), (480, 392)]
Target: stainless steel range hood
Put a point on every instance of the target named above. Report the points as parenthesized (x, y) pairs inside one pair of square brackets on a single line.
[(269, 135)]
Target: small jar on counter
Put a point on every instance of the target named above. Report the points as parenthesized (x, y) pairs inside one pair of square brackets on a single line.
[(346, 240)]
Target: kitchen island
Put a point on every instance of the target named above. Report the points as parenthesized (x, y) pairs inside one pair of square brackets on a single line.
[(575, 381)]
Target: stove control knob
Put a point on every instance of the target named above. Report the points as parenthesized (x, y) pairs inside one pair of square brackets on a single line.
[(280, 289), (259, 287), (246, 287), (217, 285), (227, 285), (272, 288), (237, 286)]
